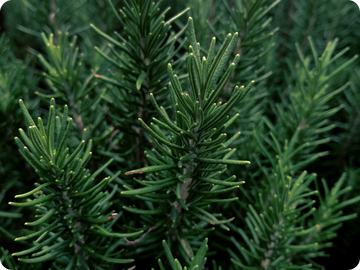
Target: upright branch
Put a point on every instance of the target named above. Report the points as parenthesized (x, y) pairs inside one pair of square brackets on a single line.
[(193, 150), (72, 209), (139, 56)]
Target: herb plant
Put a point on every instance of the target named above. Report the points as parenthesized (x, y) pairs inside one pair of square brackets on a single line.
[(186, 135)]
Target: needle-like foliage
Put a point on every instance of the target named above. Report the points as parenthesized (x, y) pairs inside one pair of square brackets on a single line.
[(192, 152), (139, 56), (216, 175), (72, 211)]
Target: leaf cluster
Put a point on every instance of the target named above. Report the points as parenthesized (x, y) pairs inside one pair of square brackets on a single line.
[(171, 111)]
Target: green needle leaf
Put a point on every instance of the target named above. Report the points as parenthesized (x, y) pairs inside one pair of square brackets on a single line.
[(33, 202), (140, 80)]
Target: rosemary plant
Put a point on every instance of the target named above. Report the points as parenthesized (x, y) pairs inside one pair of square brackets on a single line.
[(152, 95), (71, 210), (187, 162)]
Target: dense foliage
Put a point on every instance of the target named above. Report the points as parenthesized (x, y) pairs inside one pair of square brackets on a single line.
[(195, 134)]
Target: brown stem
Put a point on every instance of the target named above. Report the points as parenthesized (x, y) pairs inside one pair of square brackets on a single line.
[(140, 133), (348, 140), (211, 12), (310, 26), (137, 241), (142, 112), (77, 117), (78, 249), (286, 36), (265, 263), (52, 21)]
